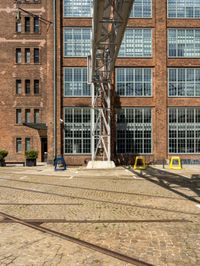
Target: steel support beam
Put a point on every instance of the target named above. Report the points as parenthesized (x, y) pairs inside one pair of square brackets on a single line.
[(110, 18)]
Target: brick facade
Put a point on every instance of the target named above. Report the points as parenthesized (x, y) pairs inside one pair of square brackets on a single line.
[(10, 71)]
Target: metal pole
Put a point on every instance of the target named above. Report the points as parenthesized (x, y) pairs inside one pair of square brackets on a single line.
[(54, 83), (93, 122), (109, 121)]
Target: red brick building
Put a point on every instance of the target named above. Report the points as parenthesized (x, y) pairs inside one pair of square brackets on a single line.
[(23, 71), (156, 84)]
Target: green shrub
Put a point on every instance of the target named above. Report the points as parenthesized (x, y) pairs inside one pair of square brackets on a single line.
[(3, 154), (32, 154)]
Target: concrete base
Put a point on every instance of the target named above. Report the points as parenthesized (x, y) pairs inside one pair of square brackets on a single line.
[(100, 165)]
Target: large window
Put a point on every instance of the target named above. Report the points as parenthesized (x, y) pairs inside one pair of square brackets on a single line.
[(134, 130), (134, 81), (142, 9), (77, 8), (136, 43), (184, 82), (83, 8), (183, 8), (184, 130), (77, 42), (75, 82), (184, 43), (77, 133)]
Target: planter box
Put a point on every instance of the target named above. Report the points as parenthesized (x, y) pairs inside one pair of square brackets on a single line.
[(30, 162), (2, 163)]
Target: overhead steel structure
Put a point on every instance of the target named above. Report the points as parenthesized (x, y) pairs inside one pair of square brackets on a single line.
[(110, 18)]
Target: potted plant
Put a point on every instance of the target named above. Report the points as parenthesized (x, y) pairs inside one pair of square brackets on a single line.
[(31, 157), (3, 154)]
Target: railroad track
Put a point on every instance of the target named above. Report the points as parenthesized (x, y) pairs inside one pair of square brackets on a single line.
[(88, 188), (42, 221), (102, 250), (93, 199)]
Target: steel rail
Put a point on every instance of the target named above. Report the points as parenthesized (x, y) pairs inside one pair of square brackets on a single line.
[(102, 250), (97, 200), (92, 189), (56, 221)]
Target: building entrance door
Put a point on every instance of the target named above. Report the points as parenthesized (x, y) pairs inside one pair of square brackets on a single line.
[(44, 149)]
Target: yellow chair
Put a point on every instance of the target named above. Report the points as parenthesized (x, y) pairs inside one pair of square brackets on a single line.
[(139, 163), (178, 165)]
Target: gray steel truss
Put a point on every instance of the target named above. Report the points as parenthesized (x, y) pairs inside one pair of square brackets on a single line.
[(110, 18)]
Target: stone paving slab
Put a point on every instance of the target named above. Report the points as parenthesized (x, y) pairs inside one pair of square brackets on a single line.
[(152, 216)]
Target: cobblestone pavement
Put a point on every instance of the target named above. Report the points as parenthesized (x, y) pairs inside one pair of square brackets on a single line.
[(188, 171), (152, 216)]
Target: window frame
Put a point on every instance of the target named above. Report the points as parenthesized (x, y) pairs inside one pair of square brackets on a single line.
[(27, 83), (28, 116), (73, 130), (72, 43), (181, 18), (134, 82), (72, 16), (36, 81), (72, 82), (36, 56), (142, 5), (184, 125), (134, 130), (36, 117), (16, 145), (27, 56), (90, 15), (18, 26), (36, 27), (185, 70), (192, 41), (27, 24), (134, 44), (27, 138), (18, 120), (18, 55), (17, 83)]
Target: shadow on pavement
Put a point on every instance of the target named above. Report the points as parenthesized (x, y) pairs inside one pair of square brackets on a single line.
[(173, 182)]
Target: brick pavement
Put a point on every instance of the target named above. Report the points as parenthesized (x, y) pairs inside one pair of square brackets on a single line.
[(153, 217), (188, 171)]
